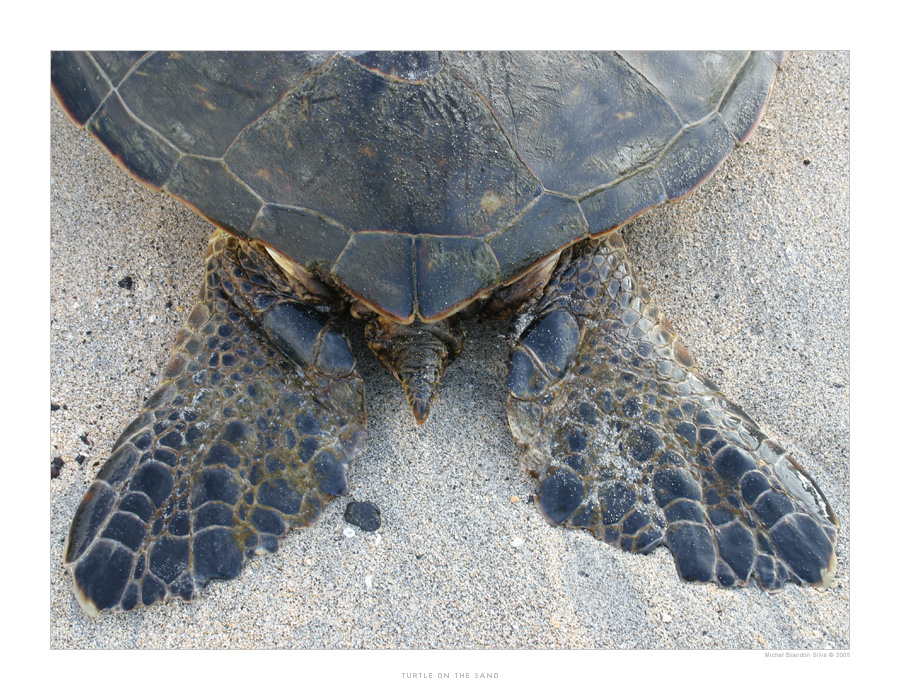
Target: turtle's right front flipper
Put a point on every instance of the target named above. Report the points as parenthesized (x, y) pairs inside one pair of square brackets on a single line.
[(259, 412)]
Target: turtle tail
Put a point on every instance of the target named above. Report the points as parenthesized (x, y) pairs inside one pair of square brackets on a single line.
[(417, 355)]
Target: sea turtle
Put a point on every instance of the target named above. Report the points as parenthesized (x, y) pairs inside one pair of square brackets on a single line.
[(415, 190)]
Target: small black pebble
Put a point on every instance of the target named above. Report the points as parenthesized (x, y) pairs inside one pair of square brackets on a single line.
[(80, 458), (364, 515), (55, 465), (84, 439), (126, 282), (806, 161), (54, 406)]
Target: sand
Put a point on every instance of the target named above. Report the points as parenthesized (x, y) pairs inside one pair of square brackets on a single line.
[(753, 270)]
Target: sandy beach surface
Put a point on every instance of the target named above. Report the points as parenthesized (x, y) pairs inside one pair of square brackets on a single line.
[(753, 270)]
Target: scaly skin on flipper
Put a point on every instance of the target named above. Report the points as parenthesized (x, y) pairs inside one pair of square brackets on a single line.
[(631, 442), (259, 412)]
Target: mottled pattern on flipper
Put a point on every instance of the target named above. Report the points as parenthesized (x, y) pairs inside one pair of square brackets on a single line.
[(248, 435), (631, 442)]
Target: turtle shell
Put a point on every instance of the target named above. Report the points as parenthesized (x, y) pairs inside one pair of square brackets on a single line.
[(418, 181)]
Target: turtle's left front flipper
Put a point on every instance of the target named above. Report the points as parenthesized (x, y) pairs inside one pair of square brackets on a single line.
[(631, 442), (259, 412)]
